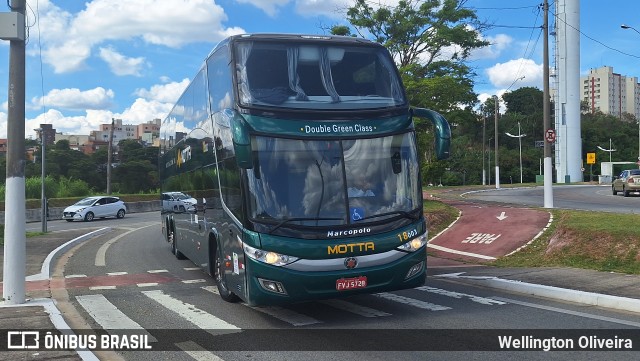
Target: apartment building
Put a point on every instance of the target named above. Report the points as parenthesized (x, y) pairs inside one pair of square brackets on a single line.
[(611, 93)]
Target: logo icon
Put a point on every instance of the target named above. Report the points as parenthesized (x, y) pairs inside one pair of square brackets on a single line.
[(22, 340), (350, 263)]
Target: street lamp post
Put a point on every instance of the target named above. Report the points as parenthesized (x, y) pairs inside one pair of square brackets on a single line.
[(636, 30), (497, 108), (610, 150), (484, 126), (519, 136), (43, 197)]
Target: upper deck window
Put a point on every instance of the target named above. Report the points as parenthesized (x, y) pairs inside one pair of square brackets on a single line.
[(316, 76)]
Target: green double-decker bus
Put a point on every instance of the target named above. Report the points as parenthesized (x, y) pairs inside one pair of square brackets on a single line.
[(289, 170)]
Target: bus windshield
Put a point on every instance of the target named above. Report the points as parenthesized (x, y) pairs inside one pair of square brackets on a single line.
[(313, 76), (333, 182)]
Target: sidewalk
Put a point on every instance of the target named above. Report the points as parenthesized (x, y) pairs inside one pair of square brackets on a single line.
[(39, 311)]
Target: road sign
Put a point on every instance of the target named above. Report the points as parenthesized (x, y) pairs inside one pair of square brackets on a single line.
[(591, 158), (550, 135)]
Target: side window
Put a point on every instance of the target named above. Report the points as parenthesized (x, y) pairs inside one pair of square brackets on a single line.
[(219, 79), (229, 178)]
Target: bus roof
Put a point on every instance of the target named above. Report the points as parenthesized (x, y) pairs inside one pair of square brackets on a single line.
[(294, 37)]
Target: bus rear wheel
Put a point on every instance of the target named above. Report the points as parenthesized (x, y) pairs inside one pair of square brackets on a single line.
[(218, 276), (171, 235)]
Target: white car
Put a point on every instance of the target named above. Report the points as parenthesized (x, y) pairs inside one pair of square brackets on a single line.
[(178, 202), (95, 207)]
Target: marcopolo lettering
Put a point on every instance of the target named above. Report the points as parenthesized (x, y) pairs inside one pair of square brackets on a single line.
[(348, 232)]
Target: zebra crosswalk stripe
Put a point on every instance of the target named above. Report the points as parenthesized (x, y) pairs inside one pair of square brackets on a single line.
[(288, 316), (354, 308), (107, 315), (482, 300), (191, 313), (197, 352), (412, 302)]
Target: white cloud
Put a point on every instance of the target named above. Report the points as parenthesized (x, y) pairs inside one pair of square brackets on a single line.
[(69, 39), (503, 75), (268, 6), (3, 125), (331, 8), (497, 44), (167, 93), (119, 64), (143, 110), (75, 99)]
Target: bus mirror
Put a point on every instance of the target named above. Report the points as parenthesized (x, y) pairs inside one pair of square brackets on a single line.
[(243, 155), (442, 131)]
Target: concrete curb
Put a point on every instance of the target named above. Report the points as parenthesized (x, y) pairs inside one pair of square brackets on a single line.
[(45, 271), (57, 320), (551, 292)]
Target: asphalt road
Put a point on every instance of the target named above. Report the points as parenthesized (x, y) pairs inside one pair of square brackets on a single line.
[(579, 197), (128, 279)]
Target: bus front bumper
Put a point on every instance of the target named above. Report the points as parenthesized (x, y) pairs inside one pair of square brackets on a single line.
[(269, 285)]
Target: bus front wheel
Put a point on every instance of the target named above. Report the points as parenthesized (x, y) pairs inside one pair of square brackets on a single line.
[(218, 275)]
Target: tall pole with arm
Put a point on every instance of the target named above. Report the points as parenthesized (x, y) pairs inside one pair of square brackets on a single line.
[(636, 30), (546, 121), (497, 109)]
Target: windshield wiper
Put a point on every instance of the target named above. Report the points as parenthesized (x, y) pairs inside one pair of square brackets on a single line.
[(405, 214), (301, 219)]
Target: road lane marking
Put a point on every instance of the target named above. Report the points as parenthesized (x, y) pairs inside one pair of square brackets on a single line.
[(101, 255), (189, 312), (108, 316), (482, 300), (287, 315), (569, 312), (75, 276), (212, 289), (197, 352), (194, 281), (449, 250), (150, 284), (117, 273), (354, 308), (412, 302), (100, 288), (157, 271), (192, 268)]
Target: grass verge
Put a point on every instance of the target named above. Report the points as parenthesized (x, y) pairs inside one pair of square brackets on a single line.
[(590, 240)]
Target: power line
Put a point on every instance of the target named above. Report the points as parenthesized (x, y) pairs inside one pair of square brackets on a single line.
[(594, 40)]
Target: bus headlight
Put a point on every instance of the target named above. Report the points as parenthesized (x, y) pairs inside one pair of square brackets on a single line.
[(268, 257), (414, 244)]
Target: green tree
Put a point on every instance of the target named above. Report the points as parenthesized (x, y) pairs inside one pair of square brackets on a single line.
[(135, 176), (420, 32), (431, 41)]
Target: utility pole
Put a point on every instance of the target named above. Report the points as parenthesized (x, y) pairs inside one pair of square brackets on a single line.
[(109, 151), (546, 121), (43, 197), (484, 128), (497, 109), (15, 250)]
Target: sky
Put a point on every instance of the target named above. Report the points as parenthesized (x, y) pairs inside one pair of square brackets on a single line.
[(90, 61)]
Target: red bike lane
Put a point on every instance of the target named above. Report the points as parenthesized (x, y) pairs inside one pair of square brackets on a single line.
[(484, 232)]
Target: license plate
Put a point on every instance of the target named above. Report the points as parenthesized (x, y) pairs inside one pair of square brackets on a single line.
[(351, 283)]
